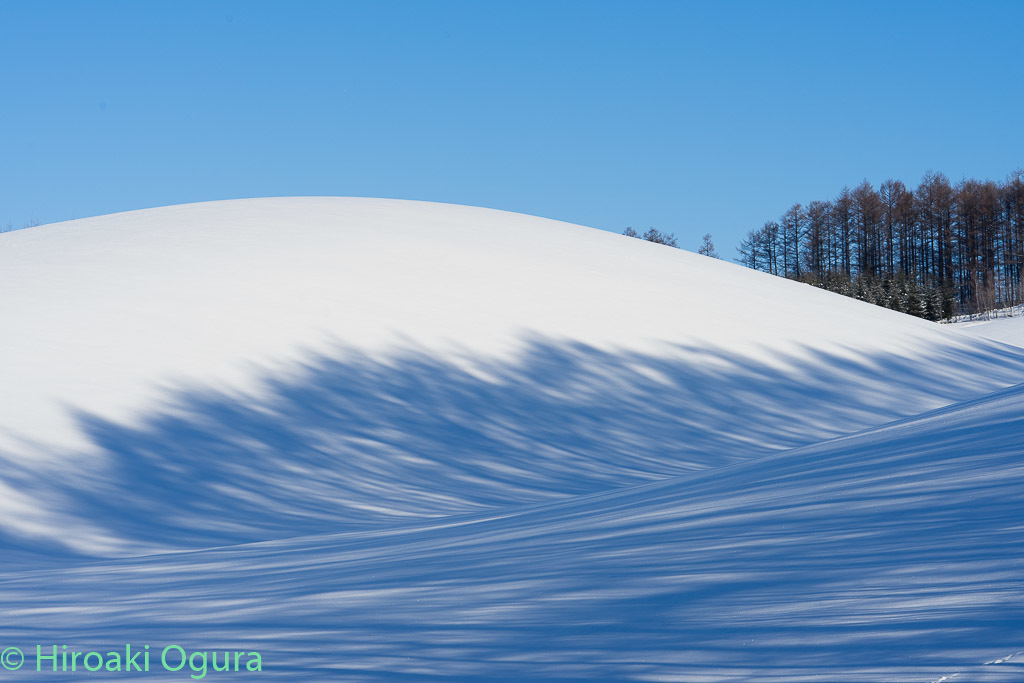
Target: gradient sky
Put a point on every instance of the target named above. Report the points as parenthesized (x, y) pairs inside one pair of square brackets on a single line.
[(688, 117)]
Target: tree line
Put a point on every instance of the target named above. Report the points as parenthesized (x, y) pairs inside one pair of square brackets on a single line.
[(934, 251), (706, 248), (9, 227)]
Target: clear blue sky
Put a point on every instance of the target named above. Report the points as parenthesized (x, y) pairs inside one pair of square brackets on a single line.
[(688, 117)]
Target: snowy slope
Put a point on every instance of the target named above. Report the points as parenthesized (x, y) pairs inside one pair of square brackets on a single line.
[(1005, 330), (109, 311), (382, 439), (890, 555), (244, 370)]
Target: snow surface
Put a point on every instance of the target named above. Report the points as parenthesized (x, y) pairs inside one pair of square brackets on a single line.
[(378, 439), (1008, 330)]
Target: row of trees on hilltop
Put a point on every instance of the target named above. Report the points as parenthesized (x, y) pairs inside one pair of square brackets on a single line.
[(8, 227), (706, 248), (933, 251)]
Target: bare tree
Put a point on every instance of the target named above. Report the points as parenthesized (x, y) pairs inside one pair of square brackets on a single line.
[(707, 247), (934, 251), (653, 235), (666, 238)]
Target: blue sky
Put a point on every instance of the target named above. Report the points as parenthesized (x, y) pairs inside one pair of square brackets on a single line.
[(689, 117)]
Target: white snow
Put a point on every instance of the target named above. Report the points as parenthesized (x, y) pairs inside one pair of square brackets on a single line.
[(1008, 330), (377, 438)]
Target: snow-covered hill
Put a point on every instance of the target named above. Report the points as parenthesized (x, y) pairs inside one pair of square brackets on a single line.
[(889, 555), (400, 438), (1008, 330)]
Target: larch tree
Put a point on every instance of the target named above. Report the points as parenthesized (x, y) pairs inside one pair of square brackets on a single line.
[(707, 246)]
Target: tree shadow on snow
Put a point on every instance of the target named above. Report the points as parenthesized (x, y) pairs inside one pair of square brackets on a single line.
[(348, 441)]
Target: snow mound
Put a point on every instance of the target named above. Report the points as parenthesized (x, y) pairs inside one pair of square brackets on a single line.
[(376, 439), (247, 370)]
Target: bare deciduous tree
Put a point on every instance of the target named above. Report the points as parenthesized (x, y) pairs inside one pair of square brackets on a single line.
[(933, 251), (707, 247)]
